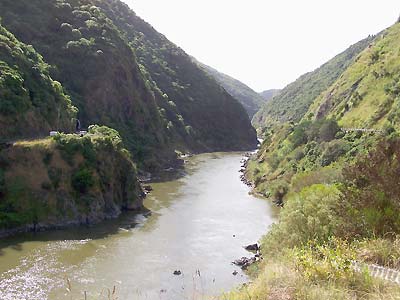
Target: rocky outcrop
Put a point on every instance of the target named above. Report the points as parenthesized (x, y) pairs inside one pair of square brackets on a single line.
[(66, 180)]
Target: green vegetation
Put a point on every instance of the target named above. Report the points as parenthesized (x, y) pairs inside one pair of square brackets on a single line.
[(367, 94), (292, 103), (338, 187), (158, 100), (251, 100), (77, 180), (30, 99)]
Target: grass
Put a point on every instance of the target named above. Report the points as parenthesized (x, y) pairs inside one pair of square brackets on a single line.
[(362, 87), (281, 278)]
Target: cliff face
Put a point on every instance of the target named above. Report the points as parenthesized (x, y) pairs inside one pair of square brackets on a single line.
[(66, 180)]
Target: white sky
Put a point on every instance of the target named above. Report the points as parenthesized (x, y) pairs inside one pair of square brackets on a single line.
[(266, 44)]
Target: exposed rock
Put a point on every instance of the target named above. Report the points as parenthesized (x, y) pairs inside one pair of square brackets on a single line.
[(177, 272), (252, 247), (244, 262)]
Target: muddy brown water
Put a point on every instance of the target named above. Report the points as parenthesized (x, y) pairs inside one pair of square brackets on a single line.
[(198, 225)]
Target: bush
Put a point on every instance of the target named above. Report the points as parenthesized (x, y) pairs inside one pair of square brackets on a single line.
[(330, 261), (307, 215), (55, 175), (371, 202), (328, 130), (333, 151), (2, 183), (82, 180), (326, 175), (299, 135), (278, 190)]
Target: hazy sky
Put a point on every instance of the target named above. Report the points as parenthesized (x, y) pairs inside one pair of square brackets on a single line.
[(266, 44)]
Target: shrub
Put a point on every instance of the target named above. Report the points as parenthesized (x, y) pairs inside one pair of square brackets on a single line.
[(330, 261), (329, 128), (82, 180), (2, 183), (371, 202), (278, 190), (334, 150), (299, 135), (55, 175), (326, 175), (307, 215)]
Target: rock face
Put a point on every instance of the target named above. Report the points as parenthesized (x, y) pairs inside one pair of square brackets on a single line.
[(66, 180)]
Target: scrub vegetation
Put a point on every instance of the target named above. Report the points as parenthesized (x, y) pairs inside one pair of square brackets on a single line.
[(333, 166)]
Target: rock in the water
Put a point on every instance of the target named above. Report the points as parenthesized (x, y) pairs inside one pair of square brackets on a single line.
[(244, 262), (235, 273), (177, 272), (252, 247)]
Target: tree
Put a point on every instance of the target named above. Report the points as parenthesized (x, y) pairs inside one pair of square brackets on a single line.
[(328, 130)]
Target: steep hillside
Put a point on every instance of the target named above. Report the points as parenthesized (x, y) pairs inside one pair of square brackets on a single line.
[(215, 120), (338, 186), (157, 99), (269, 94), (250, 99), (66, 180), (294, 100), (96, 66), (31, 103), (367, 94)]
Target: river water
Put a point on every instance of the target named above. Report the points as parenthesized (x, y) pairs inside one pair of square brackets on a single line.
[(198, 225)]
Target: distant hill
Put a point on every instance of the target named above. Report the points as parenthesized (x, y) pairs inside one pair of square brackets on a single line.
[(251, 100), (269, 94), (294, 100)]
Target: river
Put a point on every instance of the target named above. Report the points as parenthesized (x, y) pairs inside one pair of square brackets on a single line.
[(198, 225)]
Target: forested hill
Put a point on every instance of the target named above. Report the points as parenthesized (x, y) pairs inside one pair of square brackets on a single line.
[(31, 102), (334, 169), (122, 73), (294, 100), (251, 100)]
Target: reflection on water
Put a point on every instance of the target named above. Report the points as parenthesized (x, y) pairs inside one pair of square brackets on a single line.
[(198, 225)]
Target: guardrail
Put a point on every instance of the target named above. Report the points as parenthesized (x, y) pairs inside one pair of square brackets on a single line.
[(377, 271), (362, 130)]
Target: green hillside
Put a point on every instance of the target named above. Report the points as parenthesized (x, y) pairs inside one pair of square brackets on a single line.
[(213, 118), (250, 99), (334, 172), (121, 73), (31, 102), (294, 100), (367, 94)]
